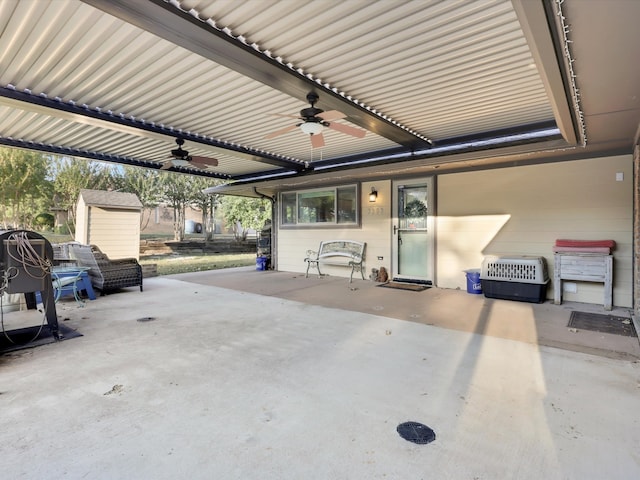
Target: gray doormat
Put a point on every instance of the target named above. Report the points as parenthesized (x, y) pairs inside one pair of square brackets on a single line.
[(413, 287), (598, 322)]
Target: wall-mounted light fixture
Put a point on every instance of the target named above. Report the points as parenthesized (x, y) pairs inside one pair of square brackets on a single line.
[(373, 195)]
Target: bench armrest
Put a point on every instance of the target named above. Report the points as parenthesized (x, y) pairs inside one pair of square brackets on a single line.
[(311, 255)]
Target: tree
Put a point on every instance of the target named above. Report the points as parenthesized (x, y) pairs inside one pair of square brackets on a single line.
[(179, 191), (245, 213), (72, 175), (147, 185), (25, 190), (207, 204)]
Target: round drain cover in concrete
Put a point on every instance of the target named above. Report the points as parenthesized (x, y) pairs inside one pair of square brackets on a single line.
[(416, 432)]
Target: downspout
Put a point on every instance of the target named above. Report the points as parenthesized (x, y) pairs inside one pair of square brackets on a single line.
[(264, 197), (636, 233)]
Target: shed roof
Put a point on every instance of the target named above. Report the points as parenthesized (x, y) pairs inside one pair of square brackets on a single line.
[(104, 198)]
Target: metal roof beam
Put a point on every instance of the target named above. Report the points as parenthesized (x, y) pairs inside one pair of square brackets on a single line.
[(81, 114), (527, 136), (535, 26), (103, 157), (181, 28)]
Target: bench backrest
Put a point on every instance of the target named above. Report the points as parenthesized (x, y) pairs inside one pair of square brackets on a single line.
[(341, 248)]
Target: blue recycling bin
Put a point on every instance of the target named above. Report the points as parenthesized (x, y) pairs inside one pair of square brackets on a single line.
[(261, 263), (473, 281)]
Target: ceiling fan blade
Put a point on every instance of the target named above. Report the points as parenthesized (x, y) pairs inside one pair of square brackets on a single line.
[(282, 131), (342, 128), (199, 166), (166, 165), (317, 140), (331, 115), (205, 161)]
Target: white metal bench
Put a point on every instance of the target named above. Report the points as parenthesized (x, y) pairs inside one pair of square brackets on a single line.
[(343, 253)]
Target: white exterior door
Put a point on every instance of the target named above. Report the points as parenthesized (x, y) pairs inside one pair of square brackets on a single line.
[(413, 235)]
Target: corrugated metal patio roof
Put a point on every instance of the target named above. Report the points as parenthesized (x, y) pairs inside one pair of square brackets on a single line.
[(119, 81)]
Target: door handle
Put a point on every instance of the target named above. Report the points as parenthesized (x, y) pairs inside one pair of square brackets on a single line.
[(395, 229)]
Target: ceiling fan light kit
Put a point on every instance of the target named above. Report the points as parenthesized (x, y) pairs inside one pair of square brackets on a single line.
[(180, 162), (314, 120), (311, 128)]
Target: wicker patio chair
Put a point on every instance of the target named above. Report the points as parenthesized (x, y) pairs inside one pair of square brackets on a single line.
[(106, 274)]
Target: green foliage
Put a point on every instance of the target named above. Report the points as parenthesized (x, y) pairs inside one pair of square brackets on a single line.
[(415, 209), (25, 190), (207, 204), (34, 186), (44, 220), (72, 175), (167, 264), (245, 213), (63, 229), (179, 191), (146, 184)]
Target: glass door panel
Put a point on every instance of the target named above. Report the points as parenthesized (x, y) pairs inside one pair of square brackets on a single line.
[(413, 242)]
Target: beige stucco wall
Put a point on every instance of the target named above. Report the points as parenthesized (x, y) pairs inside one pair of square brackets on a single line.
[(523, 210), (375, 230), (508, 211)]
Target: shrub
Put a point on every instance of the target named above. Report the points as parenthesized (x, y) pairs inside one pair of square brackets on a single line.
[(44, 221), (63, 229)]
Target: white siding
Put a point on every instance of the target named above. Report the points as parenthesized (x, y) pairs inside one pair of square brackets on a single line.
[(375, 231), (523, 210), (518, 210)]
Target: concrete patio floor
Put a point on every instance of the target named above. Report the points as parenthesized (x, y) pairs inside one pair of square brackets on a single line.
[(268, 375)]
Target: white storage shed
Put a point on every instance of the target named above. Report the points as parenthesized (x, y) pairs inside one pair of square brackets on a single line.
[(111, 221)]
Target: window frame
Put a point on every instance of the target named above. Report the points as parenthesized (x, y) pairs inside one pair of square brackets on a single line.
[(320, 225)]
